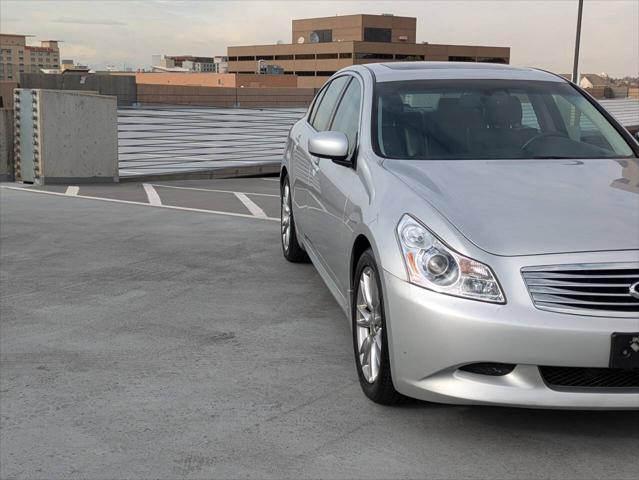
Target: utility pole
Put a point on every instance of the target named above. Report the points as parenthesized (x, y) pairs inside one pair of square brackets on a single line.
[(575, 66)]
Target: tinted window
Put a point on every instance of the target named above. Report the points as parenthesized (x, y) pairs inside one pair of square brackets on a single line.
[(490, 119), (311, 114), (327, 103), (324, 36), (372, 34), (346, 118)]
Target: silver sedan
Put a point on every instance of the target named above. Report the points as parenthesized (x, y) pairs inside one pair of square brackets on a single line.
[(479, 226)]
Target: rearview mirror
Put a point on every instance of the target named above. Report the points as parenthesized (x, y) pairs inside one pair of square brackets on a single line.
[(333, 145)]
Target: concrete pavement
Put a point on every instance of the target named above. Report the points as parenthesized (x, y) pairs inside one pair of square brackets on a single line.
[(142, 342)]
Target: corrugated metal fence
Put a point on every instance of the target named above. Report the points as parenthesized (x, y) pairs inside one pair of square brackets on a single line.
[(161, 140), (625, 110)]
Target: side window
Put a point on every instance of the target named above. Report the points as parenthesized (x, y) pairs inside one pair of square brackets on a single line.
[(346, 118), (317, 101), (327, 103)]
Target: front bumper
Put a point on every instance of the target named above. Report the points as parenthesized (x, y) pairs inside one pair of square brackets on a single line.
[(431, 335)]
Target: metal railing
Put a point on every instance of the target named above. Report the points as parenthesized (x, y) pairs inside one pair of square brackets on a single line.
[(169, 139)]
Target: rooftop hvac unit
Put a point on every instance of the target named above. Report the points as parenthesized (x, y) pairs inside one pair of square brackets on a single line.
[(65, 137)]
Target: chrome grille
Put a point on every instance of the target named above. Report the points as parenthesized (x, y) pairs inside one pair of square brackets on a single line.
[(589, 289)]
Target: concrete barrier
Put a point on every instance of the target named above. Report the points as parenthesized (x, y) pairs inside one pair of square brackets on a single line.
[(65, 137), (6, 145), (121, 86)]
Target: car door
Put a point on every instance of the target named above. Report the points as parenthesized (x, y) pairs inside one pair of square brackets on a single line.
[(330, 186), (318, 120), (301, 163)]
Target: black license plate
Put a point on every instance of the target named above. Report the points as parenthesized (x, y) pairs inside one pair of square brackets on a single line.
[(624, 350)]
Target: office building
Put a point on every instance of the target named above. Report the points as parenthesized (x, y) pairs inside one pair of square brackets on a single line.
[(321, 46), (17, 57)]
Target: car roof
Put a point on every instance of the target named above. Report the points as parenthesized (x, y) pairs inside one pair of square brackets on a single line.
[(389, 72)]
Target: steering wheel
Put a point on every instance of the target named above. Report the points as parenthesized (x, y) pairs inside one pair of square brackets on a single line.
[(543, 135)]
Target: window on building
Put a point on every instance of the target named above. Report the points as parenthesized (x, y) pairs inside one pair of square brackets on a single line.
[(374, 56), (325, 73), (409, 58), (461, 59), (283, 57), (305, 74), (326, 105), (232, 59), (372, 34), (305, 56), (325, 36), (346, 119), (346, 55), (323, 56), (264, 57), (491, 60), (245, 58)]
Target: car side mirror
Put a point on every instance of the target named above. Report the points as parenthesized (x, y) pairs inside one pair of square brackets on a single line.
[(332, 145)]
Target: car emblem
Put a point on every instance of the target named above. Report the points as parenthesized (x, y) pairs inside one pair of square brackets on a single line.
[(634, 290)]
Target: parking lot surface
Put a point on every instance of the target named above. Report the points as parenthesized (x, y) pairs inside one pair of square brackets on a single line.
[(146, 340)]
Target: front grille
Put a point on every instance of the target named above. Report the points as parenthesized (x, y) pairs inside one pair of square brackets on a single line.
[(574, 377), (602, 289)]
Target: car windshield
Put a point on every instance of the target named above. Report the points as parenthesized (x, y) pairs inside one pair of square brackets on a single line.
[(490, 119)]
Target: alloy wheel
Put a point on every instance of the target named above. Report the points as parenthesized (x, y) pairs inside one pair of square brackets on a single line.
[(369, 325)]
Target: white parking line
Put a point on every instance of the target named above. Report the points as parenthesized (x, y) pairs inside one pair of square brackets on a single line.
[(251, 205), (214, 190), (271, 179), (129, 202), (72, 190), (152, 195)]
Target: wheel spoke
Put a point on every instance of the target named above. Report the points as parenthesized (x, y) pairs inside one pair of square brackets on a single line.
[(365, 350), (365, 319), (375, 360)]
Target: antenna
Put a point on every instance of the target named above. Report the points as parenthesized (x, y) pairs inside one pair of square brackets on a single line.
[(300, 40), (314, 37)]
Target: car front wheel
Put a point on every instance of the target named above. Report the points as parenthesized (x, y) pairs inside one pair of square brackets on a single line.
[(370, 340)]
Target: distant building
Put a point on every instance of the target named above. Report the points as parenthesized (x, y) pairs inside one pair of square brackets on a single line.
[(17, 57), (253, 80), (189, 63), (321, 46), (592, 80)]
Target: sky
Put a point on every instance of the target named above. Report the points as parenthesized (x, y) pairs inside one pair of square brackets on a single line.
[(541, 33)]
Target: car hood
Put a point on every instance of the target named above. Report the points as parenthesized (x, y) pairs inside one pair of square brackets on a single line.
[(529, 207)]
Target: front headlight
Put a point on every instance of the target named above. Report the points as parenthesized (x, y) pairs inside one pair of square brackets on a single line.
[(433, 265)]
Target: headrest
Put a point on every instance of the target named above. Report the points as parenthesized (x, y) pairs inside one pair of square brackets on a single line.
[(470, 100), (503, 110), (446, 104), (393, 103)]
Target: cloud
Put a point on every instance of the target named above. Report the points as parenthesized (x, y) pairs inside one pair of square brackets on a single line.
[(88, 21)]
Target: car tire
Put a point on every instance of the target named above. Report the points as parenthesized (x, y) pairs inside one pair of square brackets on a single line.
[(291, 249), (369, 331)]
